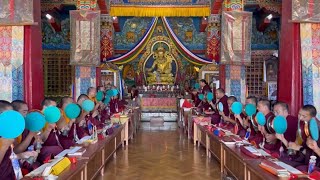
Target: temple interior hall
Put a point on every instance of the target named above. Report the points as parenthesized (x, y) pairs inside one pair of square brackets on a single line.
[(159, 89)]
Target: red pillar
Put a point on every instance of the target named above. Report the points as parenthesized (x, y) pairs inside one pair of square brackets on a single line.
[(33, 68), (290, 75)]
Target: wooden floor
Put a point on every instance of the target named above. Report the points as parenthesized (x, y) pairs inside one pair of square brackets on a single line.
[(161, 154)]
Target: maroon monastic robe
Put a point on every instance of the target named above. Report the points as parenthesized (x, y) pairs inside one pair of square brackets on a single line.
[(290, 134), (205, 89), (114, 105), (6, 169), (215, 118), (135, 94), (50, 147), (274, 147)]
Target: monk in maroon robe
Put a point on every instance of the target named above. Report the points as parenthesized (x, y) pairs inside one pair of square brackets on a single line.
[(282, 109), (51, 146), (303, 146), (5, 161), (249, 123), (114, 107), (204, 86), (103, 114), (75, 133), (270, 142), (85, 117), (222, 98), (233, 120), (6, 169), (311, 149), (134, 92), (195, 98)]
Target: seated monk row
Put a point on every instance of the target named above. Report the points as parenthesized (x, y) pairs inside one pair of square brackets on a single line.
[(292, 147), (35, 148)]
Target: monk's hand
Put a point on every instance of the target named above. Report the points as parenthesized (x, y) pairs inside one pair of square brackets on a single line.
[(32, 134), (222, 113), (82, 123), (270, 137), (211, 103), (237, 116), (262, 129), (312, 144), (294, 146), (27, 154), (51, 126), (246, 122), (279, 136), (95, 113)]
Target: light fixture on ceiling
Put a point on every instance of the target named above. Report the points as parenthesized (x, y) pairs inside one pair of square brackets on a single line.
[(269, 17), (48, 16)]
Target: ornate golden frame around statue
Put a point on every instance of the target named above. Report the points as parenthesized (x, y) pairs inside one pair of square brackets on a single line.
[(164, 73)]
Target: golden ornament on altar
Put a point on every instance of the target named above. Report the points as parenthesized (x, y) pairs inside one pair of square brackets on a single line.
[(161, 69)]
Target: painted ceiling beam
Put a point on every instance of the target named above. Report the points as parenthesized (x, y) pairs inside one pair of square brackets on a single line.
[(216, 7), (103, 6)]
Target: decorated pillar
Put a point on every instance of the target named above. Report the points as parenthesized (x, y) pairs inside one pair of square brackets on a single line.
[(33, 66), (234, 46), (290, 85), (106, 38), (213, 37), (107, 31), (85, 52)]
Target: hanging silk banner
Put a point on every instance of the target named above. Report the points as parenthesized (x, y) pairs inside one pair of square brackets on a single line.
[(236, 37), (161, 2), (310, 56), (305, 11), (160, 10), (107, 32), (16, 12), (213, 37), (85, 37)]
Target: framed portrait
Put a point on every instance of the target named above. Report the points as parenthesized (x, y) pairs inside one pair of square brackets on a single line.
[(212, 77), (270, 69), (272, 90)]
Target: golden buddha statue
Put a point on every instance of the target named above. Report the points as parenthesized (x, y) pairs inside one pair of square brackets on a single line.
[(161, 69)]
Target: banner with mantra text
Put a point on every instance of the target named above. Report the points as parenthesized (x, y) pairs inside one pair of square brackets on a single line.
[(305, 11), (85, 37), (236, 37), (161, 2)]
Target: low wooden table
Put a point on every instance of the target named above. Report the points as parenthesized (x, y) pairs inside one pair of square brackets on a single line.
[(215, 147), (254, 171), (92, 162), (232, 161)]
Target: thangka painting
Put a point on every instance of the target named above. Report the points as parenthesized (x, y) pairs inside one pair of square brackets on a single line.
[(305, 11), (236, 37), (16, 12), (85, 37), (128, 75)]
